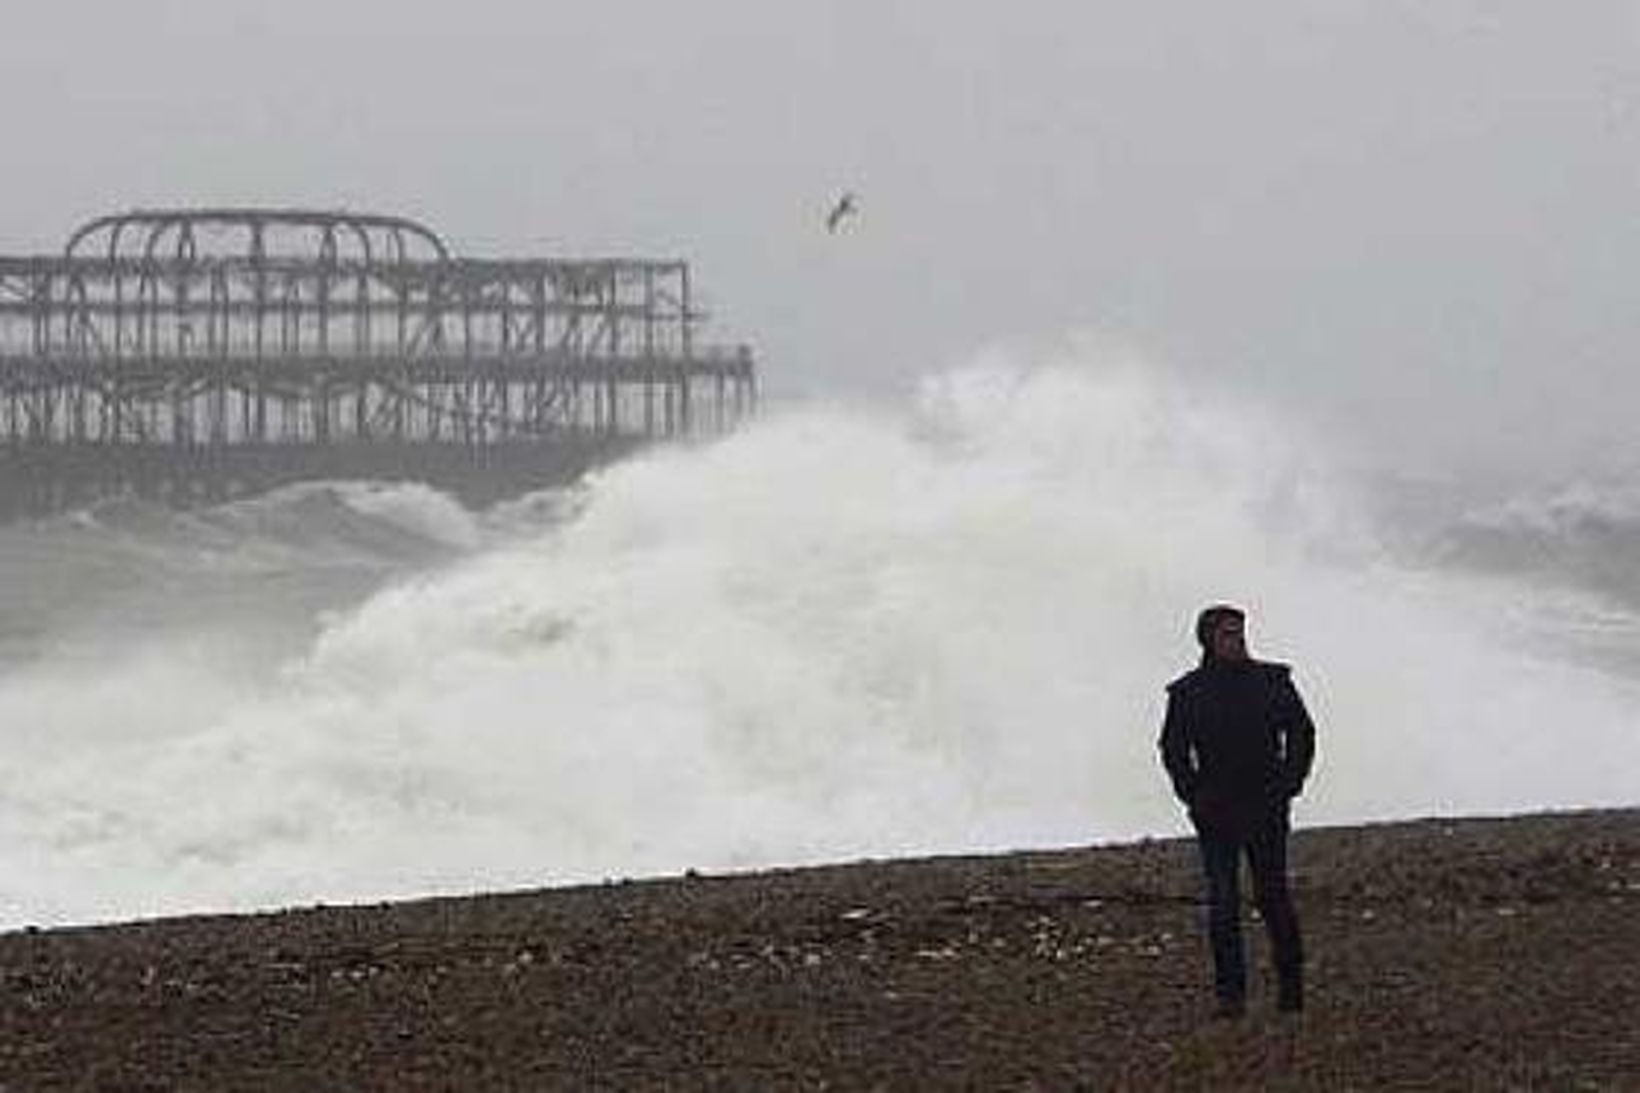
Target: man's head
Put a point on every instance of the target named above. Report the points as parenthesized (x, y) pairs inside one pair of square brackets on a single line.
[(1222, 632)]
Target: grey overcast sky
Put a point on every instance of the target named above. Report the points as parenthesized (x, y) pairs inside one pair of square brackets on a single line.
[(1416, 221)]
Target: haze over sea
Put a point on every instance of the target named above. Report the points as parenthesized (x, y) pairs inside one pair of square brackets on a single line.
[(842, 632)]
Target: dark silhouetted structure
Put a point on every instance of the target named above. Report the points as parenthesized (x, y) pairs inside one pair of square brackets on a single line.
[(203, 353)]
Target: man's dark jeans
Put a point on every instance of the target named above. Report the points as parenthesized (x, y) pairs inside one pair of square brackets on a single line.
[(1264, 841)]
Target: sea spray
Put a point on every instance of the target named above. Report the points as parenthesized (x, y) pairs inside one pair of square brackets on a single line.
[(836, 633)]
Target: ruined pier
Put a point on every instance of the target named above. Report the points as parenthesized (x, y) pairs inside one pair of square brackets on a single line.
[(200, 354)]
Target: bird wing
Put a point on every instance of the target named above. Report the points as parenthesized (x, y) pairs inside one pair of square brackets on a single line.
[(844, 207)]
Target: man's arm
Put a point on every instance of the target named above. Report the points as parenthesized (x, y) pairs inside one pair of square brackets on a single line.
[(1298, 737), (1176, 753)]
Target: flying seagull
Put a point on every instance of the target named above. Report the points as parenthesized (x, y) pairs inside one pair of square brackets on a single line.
[(847, 206)]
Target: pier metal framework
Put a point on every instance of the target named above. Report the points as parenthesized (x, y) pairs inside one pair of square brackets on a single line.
[(213, 342)]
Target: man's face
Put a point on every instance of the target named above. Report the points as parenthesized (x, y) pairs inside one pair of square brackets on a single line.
[(1230, 639)]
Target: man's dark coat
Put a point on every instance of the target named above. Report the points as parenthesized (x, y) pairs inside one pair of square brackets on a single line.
[(1237, 742)]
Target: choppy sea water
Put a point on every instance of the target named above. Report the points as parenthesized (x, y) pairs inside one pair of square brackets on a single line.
[(838, 633)]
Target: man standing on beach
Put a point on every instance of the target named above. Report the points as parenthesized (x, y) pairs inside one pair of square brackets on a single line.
[(1238, 743)]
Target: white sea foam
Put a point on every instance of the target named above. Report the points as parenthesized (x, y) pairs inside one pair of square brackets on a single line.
[(837, 633)]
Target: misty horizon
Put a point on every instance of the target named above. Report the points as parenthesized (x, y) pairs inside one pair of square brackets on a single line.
[(1408, 227)]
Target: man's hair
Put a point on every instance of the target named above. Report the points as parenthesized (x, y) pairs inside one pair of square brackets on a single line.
[(1208, 621)]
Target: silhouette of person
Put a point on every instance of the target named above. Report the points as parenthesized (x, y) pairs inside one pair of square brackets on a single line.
[(1238, 743)]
